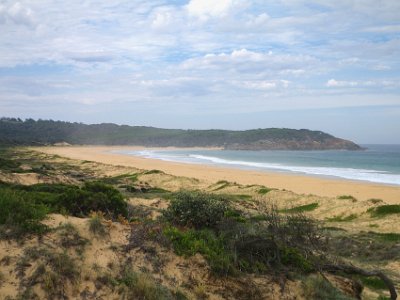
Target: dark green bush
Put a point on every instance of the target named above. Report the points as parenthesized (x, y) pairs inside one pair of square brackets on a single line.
[(384, 210), (20, 214), (75, 200), (264, 190), (9, 165), (94, 196), (205, 242), (276, 243), (196, 209)]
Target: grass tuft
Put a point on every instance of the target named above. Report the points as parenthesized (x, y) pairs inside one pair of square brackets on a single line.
[(96, 225), (301, 208)]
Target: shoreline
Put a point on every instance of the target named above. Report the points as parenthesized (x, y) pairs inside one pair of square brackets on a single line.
[(298, 183)]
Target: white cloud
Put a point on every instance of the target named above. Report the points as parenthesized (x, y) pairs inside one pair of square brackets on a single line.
[(257, 55), (364, 83), (246, 61), (336, 83), (204, 9), (17, 14)]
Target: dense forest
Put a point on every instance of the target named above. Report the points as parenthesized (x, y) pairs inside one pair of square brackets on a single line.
[(44, 132)]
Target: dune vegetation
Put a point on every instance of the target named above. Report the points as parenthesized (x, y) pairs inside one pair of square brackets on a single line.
[(73, 229)]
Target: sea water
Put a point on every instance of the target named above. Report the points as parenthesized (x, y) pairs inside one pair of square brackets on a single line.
[(378, 163)]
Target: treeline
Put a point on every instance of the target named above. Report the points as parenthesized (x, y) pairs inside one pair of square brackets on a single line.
[(43, 132)]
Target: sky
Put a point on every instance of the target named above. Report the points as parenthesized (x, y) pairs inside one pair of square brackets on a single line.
[(229, 64)]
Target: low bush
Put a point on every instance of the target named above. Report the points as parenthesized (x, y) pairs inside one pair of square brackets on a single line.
[(205, 242), (74, 200), (9, 165), (20, 215), (384, 210), (342, 218), (264, 190), (347, 197), (196, 209), (94, 196), (374, 283), (301, 208), (273, 243)]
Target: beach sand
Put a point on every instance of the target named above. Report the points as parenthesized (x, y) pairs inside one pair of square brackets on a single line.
[(297, 183)]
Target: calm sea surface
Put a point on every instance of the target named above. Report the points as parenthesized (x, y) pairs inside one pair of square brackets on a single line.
[(379, 163)]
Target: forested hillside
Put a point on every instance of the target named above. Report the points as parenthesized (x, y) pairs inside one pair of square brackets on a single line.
[(42, 132)]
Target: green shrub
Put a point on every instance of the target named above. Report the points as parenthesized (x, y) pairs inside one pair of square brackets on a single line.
[(387, 237), (196, 209), (264, 190), (347, 197), (276, 243), (20, 214), (342, 218), (9, 165), (205, 242), (94, 196), (60, 198), (373, 282), (384, 210), (301, 208), (375, 200), (153, 172)]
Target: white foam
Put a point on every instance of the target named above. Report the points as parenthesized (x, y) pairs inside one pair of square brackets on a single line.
[(347, 173)]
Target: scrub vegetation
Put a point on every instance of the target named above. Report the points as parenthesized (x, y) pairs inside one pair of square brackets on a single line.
[(130, 230)]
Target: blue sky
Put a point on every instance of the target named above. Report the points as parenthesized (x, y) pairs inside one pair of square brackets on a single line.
[(326, 65)]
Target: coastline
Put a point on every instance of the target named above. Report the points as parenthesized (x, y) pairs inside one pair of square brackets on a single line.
[(301, 184)]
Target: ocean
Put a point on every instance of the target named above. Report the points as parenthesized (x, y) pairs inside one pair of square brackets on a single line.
[(379, 163)]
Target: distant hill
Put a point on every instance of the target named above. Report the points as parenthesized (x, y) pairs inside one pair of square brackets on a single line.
[(45, 132)]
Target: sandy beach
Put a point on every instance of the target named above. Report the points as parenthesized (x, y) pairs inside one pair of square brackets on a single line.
[(296, 183)]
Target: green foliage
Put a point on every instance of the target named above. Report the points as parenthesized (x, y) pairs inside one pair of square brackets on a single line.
[(264, 190), (20, 214), (341, 218), (188, 243), (316, 288), (196, 209), (221, 185), (387, 237), (237, 244), (347, 197), (94, 196), (13, 131), (293, 257), (384, 210), (375, 200), (374, 283), (153, 172), (367, 246), (9, 165), (77, 201), (301, 208), (96, 226)]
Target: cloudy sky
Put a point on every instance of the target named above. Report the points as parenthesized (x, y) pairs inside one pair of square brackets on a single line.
[(234, 64)]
